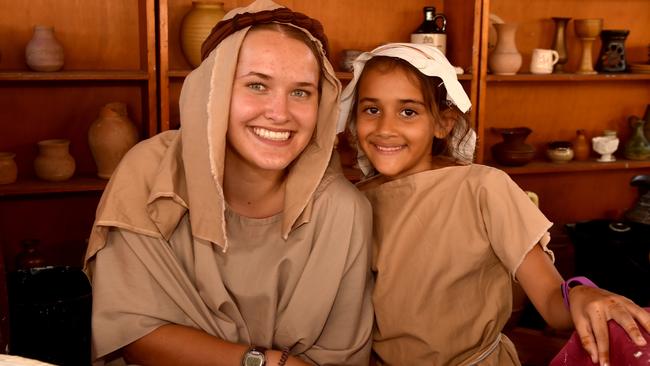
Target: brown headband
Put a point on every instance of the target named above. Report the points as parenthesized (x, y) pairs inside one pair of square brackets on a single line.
[(227, 27)]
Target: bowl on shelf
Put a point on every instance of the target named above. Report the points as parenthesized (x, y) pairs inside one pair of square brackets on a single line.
[(559, 151)]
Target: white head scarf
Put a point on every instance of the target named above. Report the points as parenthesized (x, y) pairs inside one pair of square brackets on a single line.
[(429, 61)]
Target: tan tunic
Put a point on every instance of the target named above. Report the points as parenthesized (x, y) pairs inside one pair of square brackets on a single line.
[(166, 249), (447, 244), (311, 292)]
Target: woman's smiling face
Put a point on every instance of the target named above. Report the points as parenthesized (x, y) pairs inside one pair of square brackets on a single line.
[(394, 126), (274, 105)]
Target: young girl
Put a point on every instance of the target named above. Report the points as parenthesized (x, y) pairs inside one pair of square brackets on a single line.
[(236, 240), (449, 237)]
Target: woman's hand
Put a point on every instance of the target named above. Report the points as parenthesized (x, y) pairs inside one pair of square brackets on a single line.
[(591, 308)]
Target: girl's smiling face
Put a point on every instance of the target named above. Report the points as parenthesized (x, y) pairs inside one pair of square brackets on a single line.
[(395, 127)]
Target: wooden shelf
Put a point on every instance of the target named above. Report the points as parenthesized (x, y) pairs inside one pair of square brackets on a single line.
[(542, 167), (34, 186), (122, 75), (567, 77)]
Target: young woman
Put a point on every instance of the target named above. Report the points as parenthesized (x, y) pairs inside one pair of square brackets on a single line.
[(237, 240), (449, 237)]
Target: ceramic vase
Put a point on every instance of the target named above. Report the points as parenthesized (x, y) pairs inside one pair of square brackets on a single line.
[(8, 168), (646, 118), (44, 52), (606, 145), (581, 147), (612, 51), (505, 59), (54, 162), (559, 43), (110, 136), (513, 150), (196, 27), (637, 147)]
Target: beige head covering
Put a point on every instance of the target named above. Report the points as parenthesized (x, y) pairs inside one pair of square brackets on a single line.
[(162, 178)]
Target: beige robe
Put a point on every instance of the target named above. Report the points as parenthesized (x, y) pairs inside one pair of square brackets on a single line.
[(165, 248), (447, 243)]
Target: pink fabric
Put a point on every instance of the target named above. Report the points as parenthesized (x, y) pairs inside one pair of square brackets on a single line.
[(622, 351)]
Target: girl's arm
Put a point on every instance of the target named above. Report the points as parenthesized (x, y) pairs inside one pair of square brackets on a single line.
[(591, 308), (180, 345)]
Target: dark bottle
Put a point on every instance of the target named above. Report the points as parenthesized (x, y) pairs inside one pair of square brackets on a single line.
[(432, 30), (29, 255)]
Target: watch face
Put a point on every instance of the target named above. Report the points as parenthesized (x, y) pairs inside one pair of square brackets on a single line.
[(254, 358)]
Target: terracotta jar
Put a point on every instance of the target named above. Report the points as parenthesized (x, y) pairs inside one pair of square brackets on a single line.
[(505, 59), (513, 151), (44, 52), (581, 147), (196, 27), (110, 136), (54, 162), (8, 168)]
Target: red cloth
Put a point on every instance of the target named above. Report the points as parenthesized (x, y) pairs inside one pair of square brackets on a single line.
[(622, 350)]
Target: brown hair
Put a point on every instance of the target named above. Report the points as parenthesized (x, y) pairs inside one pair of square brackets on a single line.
[(435, 100)]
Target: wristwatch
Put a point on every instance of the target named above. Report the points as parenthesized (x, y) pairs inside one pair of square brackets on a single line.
[(254, 356)]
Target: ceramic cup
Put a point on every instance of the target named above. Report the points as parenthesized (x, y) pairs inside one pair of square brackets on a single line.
[(543, 60)]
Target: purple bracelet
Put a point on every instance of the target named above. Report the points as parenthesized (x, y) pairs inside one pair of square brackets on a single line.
[(571, 282)]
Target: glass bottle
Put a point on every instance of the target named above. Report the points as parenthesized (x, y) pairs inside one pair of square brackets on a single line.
[(29, 255), (432, 30)]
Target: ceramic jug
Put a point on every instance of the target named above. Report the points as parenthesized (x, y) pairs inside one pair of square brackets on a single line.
[(44, 52), (637, 147), (505, 59), (110, 136)]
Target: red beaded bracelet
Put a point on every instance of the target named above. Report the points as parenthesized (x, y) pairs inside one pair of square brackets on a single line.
[(572, 282)]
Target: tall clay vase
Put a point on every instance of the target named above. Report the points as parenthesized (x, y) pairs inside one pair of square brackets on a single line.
[(54, 162), (513, 150), (581, 147), (8, 168), (44, 52), (505, 59), (110, 136), (196, 27), (559, 43)]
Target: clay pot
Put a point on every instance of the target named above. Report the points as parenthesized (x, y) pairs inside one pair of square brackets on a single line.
[(505, 59), (581, 147), (637, 147), (8, 168), (110, 136), (54, 162), (560, 151), (44, 52), (513, 151), (196, 27)]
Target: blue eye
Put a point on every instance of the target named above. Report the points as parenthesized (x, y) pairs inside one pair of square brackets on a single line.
[(256, 86), (300, 93)]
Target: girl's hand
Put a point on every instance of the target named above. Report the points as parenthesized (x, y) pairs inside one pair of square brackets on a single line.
[(591, 308)]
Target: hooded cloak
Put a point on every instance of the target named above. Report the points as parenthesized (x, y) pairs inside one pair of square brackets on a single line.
[(165, 247)]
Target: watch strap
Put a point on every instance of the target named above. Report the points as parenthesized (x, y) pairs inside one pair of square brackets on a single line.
[(572, 282)]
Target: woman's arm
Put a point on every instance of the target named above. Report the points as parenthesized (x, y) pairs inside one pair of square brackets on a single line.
[(180, 345), (591, 308)]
